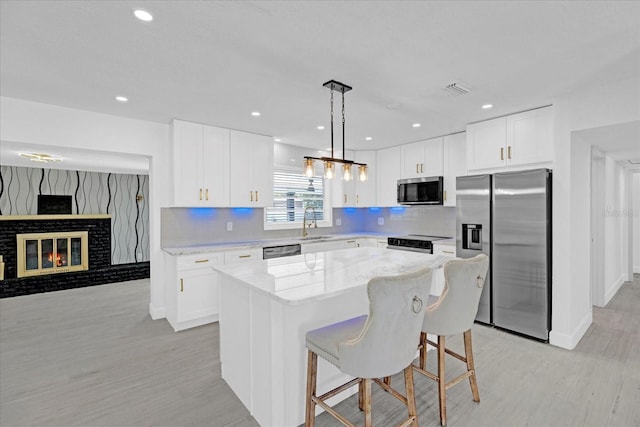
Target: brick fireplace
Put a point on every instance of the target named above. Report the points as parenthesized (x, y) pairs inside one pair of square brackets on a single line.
[(69, 266)]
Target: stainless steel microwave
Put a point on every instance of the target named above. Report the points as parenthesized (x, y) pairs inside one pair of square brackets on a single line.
[(420, 191)]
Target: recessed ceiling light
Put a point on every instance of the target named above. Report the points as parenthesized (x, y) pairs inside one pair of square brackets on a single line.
[(416, 125), (320, 127), (255, 113), (487, 106), (277, 139), (122, 99), (368, 138), (40, 157), (143, 15)]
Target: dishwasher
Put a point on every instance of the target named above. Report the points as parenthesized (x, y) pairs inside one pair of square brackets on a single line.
[(280, 251)]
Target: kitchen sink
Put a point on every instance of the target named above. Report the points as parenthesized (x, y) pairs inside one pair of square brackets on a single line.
[(313, 237)]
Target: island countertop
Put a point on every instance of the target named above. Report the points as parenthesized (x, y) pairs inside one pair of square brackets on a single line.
[(310, 277)]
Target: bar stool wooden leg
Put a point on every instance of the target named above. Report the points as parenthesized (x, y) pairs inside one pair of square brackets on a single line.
[(468, 351), (367, 402), (442, 384), (312, 370), (361, 395), (410, 393), (423, 350)]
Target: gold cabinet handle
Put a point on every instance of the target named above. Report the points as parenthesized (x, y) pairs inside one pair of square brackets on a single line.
[(417, 167), (199, 261), (256, 195), (244, 256), (445, 195), (501, 153), (447, 252), (207, 192), (201, 194), (181, 285), (509, 152), (345, 198), (421, 167), (357, 199), (251, 196)]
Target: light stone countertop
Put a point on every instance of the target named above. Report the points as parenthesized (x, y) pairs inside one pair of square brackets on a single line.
[(259, 244), (311, 277), (446, 242)]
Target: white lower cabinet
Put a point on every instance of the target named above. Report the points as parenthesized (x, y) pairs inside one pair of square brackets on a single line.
[(438, 275), (192, 299), (198, 295), (242, 255)]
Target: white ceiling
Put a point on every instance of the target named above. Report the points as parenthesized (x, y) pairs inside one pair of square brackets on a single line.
[(215, 62)]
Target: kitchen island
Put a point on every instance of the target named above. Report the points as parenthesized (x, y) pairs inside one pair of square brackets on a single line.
[(268, 306)]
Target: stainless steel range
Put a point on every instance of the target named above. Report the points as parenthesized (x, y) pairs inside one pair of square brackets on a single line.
[(413, 242)]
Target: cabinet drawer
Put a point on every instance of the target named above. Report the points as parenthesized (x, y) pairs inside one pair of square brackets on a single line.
[(197, 261), (242, 255), (445, 250)]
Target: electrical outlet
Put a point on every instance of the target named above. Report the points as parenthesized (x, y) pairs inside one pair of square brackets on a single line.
[(338, 222), (381, 220), (229, 226)]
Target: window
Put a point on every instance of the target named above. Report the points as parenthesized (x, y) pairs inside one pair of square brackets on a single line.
[(293, 192)]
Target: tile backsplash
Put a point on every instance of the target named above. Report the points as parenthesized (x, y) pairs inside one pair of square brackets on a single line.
[(198, 226)]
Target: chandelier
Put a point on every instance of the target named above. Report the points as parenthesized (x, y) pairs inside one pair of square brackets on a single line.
[(329, 162)]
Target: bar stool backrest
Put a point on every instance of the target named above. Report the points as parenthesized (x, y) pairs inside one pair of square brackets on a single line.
[(388, 341), (457, 307)]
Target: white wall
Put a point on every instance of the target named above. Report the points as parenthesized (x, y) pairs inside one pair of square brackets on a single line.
[(614, 218), (606, 105), (635, 192), (34, 123)]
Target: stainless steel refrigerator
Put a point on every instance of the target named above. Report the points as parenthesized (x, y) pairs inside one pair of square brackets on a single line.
[(508, 217)]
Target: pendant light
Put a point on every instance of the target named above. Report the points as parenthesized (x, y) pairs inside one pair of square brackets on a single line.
[(329, 162)]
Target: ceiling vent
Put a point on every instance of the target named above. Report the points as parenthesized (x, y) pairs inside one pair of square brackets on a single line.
[(456, 88)]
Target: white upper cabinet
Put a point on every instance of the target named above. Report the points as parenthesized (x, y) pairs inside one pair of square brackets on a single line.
[(201, 158), (486, 143), (455, 164), (343, 193), (250, 170), (530, 137), (366, 190), (387, 176), (520, 139), (422, 158)]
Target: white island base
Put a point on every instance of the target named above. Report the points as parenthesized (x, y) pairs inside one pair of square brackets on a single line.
[(268, 306)]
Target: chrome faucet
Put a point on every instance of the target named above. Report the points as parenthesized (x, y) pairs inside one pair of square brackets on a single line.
[(304, 221)]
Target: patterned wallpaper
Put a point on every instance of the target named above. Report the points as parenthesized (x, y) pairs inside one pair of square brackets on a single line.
[(93, 193)]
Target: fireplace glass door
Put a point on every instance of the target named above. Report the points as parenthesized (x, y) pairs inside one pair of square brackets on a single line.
[(48, 253)]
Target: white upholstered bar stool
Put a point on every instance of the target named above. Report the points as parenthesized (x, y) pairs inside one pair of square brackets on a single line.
[(374, 346), (453, 314)]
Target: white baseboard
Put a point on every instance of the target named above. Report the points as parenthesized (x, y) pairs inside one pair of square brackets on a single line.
[(156, 312), (569, 341), (613, 289), (636, 269)]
